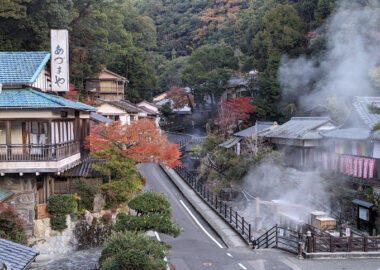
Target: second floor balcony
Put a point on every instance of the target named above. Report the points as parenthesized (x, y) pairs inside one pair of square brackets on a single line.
[(38, 146)]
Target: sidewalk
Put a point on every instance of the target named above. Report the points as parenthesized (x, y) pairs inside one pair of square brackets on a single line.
[(223, 229)]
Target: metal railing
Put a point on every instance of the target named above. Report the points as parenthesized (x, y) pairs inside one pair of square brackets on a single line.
[(38, 152), (236, 221)]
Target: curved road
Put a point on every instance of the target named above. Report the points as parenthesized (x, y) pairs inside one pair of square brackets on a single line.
[(199, 247)]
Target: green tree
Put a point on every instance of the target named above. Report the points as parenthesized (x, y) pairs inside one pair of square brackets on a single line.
[(129, 251), (281, 33), (153, 213), (13, 9), (209, 69)]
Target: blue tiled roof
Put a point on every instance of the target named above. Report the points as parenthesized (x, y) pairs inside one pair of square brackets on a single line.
[(21, 67), (100, 118), (16, 256), (29, 98)]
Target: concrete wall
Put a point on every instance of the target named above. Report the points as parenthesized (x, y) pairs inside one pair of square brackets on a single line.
[(25, 195)]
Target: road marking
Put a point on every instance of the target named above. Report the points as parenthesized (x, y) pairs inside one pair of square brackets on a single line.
[(229, 254), (165, 259), (200, 225), (242, 266)]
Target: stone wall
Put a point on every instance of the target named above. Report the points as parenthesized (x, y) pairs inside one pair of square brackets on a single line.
[(24, 197)]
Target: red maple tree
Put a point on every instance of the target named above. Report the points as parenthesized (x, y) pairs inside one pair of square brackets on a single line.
[(141, 141), (180, 97), (233, 111)]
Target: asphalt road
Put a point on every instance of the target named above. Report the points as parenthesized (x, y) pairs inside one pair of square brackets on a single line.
[(198, 246)]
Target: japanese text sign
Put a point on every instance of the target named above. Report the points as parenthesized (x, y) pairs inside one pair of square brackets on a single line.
[(59, 60)]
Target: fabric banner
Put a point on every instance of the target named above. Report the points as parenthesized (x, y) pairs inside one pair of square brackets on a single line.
[(355, 167), (371, 168), (350, 165), (360, 167), (365, 168)]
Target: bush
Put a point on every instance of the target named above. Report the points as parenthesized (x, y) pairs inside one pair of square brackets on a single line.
[(154, 222), (90, 236), (59, 206), (86, 192), (62, 204), (11, 226), (150, 202), (58, 222), (130, 251)]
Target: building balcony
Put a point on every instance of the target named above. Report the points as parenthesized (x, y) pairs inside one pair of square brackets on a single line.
[(35, 158)]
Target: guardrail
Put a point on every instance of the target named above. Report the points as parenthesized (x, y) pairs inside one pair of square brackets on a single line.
[(232, 217)]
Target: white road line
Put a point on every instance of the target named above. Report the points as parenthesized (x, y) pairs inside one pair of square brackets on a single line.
[(165, 259), (242, 266), (229, 254), (200, 225)]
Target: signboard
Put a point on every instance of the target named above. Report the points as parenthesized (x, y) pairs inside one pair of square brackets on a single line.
[(59, 40), (363, 213), (238, 148), (348, 232)]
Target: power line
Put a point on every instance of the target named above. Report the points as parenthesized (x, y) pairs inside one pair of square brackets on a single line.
[(133, 52)]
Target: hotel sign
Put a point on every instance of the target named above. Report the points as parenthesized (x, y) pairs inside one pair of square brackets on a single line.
[(59, 40)]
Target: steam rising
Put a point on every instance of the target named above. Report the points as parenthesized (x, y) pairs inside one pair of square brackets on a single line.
[(343, 70)]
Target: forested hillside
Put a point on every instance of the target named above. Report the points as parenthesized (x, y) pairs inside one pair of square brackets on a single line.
[(159, 44)]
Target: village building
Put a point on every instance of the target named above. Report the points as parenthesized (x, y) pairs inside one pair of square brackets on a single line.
[(106, 85), (355, 146), (248, 140), (41, 134), (300, 140), (122, 111)]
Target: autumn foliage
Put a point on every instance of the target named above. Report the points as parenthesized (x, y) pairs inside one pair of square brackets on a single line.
[(180, 97), (233, 111), (141, 141)]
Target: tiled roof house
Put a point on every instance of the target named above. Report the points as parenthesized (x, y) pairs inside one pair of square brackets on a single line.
[(41, 133)]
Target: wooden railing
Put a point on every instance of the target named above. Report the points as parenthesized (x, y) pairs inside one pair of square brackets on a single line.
[(342, 244), (37, 152)]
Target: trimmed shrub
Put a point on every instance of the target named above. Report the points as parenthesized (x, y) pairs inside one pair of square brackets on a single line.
[(59, 206), (58, 222), (150, 202), (154, 222), (11, 225), (131, 251)]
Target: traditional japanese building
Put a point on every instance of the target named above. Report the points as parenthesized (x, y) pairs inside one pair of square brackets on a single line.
[(300, 140), (106, 85), (355, 145), (41, 133)]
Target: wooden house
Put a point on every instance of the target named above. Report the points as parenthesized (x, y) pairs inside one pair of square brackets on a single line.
[(106, 85), (300, 140), (122, 111), (41, 134)]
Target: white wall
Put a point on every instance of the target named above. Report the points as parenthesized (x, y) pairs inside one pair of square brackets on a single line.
[(376, 149)]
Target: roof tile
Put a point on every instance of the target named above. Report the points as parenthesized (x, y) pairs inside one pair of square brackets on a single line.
[(21, 67)]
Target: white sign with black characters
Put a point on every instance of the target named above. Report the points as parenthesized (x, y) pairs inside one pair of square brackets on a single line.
[(59, 60), (363, 213)]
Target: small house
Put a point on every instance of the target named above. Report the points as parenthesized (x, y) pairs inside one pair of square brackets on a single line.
[(106, 85), (118, 110)]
